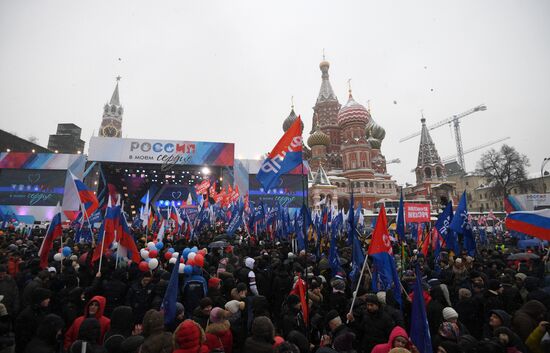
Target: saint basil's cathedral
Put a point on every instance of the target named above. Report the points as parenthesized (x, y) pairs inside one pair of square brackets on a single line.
[(344, 152)]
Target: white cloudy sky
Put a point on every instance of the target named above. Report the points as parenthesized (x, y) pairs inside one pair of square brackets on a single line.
[(225, 70)]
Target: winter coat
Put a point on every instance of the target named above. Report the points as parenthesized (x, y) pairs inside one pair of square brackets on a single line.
[(533, 341), (114, 289), (104, 322), (527, 318), (386, 347), (375, 328), (200, 317), (89, 333), (8, 288), (46, 340), (189, 338), (219, 335), (139, 299), (28, 320), (257, 345), (261, 340), (156, 339)]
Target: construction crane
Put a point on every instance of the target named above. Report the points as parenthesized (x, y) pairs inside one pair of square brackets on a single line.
[(469, 150), (455, 119), (393, 161)]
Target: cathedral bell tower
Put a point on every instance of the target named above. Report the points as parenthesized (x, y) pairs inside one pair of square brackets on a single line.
[(111, 124)]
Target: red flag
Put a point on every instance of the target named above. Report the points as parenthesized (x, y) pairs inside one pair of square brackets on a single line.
[(54, 231), (300, 290), (380, 239)]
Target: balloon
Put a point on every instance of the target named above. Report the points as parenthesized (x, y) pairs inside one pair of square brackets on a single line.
[(153, 253), (181, 269), (167, 255), (194, 249), (151, 245), (143, 266), (175, 254), (114, 245), (153, 264), (191, 262), (199, 260), (203, 251), (186, 252), (191, 255), (182, 260), (188, 269), (67, 251), (172, 260), (144, 254), (58, 257), (171, 250), (159, 245)]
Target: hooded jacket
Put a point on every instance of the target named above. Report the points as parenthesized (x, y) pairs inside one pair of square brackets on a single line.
[(46, 340), (189, 338), (526, 319), (122, 322), (104, 322), (218, 335), (386, 347)]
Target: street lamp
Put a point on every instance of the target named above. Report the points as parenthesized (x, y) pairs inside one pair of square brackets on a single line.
[(544, 162)]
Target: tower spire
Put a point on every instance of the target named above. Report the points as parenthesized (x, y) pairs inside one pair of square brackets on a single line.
[(349, 87), (115, 100)]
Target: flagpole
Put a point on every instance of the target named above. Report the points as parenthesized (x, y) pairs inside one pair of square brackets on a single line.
[(365, 264)]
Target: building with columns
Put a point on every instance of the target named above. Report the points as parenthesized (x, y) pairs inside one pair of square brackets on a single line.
[(344, 151)]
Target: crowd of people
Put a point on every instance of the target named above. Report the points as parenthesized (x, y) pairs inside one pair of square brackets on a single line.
[(245, 299)]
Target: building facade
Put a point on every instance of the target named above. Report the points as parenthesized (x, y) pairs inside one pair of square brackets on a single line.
[(66, 139), (344, 151)]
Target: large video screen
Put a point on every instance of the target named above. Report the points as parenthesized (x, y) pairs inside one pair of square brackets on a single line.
[(31, 187), (288, 193)]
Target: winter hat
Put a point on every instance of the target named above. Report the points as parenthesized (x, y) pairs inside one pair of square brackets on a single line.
[(179, 308), (204, 302), (52, 269), (503, 316), (494, 285), (449, 313), (338, 284), (3, 310), (343, 342), (39, 294), (217, 315), (381, 297), (213, 282), (232, 306), (262, 328), (333, 314), (372, 298), (521, 276), (249, 262), (292, 300)]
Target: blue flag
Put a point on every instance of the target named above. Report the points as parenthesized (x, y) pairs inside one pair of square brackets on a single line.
[(171, 294), (351, 220), (357, 259), (443, 226), (333, 259), (460, 224), (420, 330), (400, 226), (236, 221)]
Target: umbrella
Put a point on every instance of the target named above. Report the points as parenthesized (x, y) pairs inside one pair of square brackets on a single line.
[(218, 244), (221, 237), (523, 256)]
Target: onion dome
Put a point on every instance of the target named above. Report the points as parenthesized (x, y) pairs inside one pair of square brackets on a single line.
[(353, 111), (326, 94), (318, 138), (373, 130), (290, 120)]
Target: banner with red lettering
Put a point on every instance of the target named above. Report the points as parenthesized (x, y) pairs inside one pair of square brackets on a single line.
[(417, 212)]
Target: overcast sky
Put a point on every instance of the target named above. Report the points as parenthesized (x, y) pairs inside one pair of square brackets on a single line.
[(225, 70)]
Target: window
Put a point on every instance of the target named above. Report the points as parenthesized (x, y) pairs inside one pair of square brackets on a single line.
[(466, 183)]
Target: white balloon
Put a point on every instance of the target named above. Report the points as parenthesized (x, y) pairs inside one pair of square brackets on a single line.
[(144, 254), (191, 256), (58, 257), (153, 263), (172, 260), (180, 269), (114, 245), (175, 254), (151, 245)]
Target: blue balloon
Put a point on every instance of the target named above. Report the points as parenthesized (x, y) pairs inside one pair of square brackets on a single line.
[(66, 251), (159, 245), (171, 250), (188, 269), (194, 249), (185, 253)]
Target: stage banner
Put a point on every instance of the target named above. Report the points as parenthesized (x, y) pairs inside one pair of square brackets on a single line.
[(417, 212), (165, 152)]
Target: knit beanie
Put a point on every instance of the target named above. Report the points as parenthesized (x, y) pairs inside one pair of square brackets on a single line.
[(217, 315), (449, 313), (249, 262)]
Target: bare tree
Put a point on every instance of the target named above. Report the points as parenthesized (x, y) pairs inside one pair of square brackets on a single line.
[(503, 169), (32, 139)]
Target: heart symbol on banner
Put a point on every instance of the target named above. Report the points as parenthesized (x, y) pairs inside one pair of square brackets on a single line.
[(176, 195), (33, 178)]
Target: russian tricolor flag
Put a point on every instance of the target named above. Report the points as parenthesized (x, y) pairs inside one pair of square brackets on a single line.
[(87, 197), (54, 231), (533, 223)]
